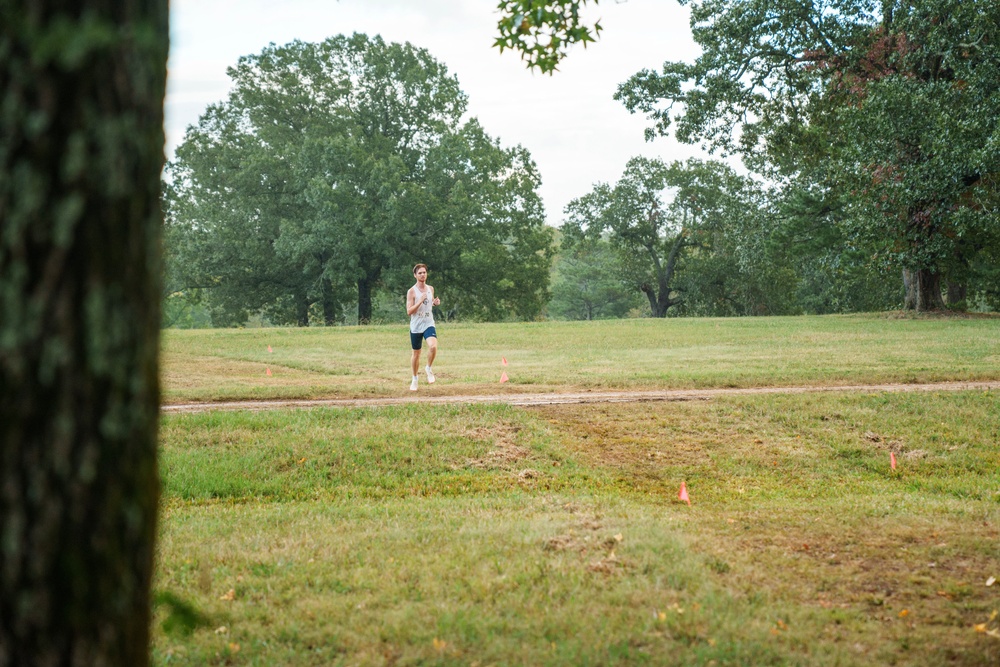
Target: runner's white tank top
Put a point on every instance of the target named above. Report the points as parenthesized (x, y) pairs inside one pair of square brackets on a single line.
[(424, 317)]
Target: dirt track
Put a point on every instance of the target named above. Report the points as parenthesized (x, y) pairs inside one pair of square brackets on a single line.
[(564, 398)]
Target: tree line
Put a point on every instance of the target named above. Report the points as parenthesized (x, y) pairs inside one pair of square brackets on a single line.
[(868, 135), (872, 125)]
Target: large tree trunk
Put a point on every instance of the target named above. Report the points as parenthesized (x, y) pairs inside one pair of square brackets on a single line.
[(302, 308), (80, 162), (654, 303), (923, 290), (909, 290), (366, 285), (331, 309)]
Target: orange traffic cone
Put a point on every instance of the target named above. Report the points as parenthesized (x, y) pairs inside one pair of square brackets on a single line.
[(682, 495), (269, 349), (503, 361), (268, 372), (892, 460), (503, 377)]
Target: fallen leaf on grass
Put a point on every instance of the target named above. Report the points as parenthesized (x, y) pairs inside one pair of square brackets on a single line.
[(619, 537), (221, 630), (991, 581), (234, 647), (904, 613), (229, 595), (440, 645)]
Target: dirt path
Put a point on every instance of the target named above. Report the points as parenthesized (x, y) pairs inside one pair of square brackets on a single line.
[(563, 398)]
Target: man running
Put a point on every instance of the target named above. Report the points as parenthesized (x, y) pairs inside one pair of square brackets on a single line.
[(419, 301)]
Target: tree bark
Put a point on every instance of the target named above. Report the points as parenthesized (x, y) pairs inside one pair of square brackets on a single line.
[(909, 290), (80, 162), (302, 308), (366, 284), (923, 290), (654, 303), (331, 309)]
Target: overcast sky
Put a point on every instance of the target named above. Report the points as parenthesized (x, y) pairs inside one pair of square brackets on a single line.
[(573, 129)]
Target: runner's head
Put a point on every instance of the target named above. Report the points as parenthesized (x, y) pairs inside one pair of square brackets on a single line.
[(418, 268)]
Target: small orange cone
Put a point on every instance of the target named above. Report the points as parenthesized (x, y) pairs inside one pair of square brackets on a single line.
[(269, 349), (268, 372), (683, 494), (892, 460), (503, 377), (503, 361)]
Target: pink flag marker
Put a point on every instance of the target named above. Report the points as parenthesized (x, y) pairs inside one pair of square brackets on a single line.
[(269, 372), (269, 349), (503, 361), (503, 377), (892, 460), (682, 495)]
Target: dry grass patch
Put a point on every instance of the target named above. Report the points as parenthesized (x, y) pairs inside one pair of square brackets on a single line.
[(795, 503), (504, 451)]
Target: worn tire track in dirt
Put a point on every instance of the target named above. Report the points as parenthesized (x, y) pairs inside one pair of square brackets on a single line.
[(526, 400)]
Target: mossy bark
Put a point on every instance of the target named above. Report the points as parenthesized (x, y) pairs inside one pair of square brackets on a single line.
[(81, 121)]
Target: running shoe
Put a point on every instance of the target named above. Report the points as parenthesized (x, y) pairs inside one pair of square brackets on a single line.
[(413, 385), (430, 375)]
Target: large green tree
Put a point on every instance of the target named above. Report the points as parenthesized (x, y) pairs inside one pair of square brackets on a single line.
[(893, 104), (890, 106), (81, 150), (654, 216), (334, 166)]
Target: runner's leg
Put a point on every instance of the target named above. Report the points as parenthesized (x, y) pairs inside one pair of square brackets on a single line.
[(415, 362), (432, 348)]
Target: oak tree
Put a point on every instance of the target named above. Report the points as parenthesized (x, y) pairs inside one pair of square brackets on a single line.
[(81, 122)]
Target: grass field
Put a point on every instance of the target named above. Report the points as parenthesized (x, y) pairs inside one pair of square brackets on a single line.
[(201, 365), (479, 535)]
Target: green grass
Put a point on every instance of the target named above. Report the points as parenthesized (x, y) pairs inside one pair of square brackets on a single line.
[(553, 536), (201, 365)]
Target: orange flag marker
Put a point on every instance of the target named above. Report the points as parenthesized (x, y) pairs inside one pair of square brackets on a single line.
[(503, 361), (892, 460), (503, 377), (683, 494), (269, 372), (269, 349)]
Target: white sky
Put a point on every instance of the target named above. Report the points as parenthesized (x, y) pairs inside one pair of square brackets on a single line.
[(568, 122)]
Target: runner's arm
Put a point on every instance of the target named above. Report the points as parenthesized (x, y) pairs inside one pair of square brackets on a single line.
[(411, 302)]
